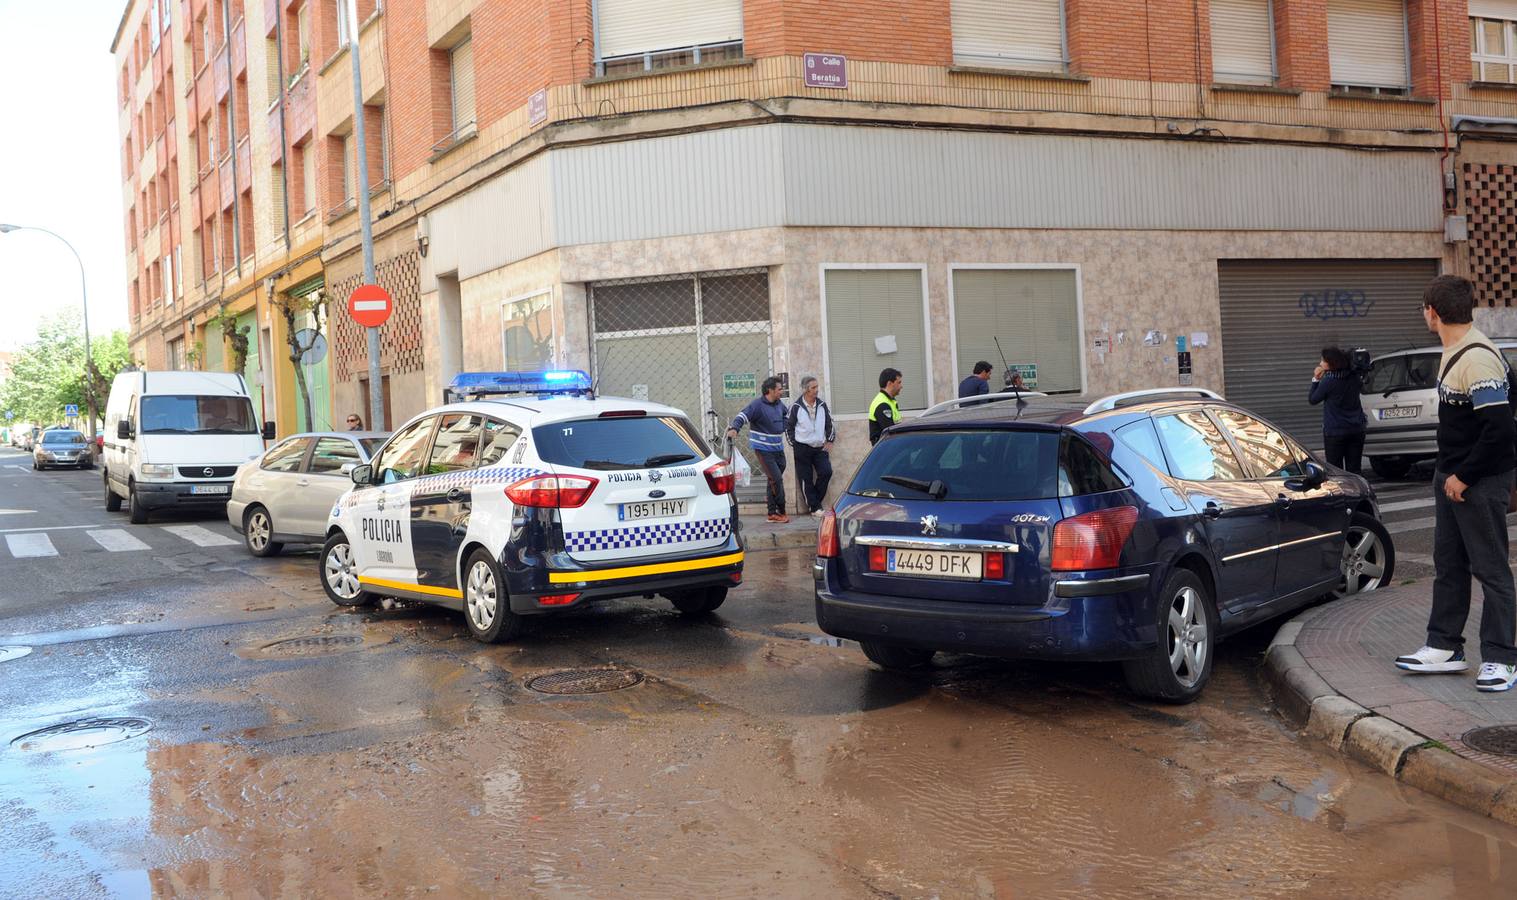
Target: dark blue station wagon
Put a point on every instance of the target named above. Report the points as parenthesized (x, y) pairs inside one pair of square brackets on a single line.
[(1139, 528)]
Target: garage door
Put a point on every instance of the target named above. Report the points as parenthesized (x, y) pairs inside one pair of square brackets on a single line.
[(1277, 315)]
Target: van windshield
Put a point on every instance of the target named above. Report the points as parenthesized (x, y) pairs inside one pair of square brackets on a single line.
[(179, 414)]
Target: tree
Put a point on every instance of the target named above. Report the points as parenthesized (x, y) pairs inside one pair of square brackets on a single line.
[(48, 373), (292, 309), (237, 337)]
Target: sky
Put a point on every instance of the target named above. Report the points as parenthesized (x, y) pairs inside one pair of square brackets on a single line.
[(60, 164)]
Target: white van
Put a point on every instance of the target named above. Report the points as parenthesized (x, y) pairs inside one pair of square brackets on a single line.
[(175, 440)]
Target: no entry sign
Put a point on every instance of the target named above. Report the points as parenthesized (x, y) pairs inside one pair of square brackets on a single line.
[(370, 305)]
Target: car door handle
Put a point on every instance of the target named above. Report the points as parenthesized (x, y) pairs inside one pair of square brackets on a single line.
[(1212, 510), (303, 482), (1284, 501), (455, 494)]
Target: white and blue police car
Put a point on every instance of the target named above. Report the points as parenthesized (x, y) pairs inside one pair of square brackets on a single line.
[(525, 494)]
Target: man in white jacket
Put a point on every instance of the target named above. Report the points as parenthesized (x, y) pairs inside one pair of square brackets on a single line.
[(811, 432)]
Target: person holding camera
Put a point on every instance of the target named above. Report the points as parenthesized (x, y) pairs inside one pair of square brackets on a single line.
[(1336, 385)]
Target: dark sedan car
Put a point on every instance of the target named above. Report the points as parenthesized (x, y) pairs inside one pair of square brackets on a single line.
[(1139, 528), (62, 447)]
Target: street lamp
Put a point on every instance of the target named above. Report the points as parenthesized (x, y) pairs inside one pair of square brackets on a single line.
[(89, 389)]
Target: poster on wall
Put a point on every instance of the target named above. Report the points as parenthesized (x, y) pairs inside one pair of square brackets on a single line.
[(1028, 371), (739, 385)]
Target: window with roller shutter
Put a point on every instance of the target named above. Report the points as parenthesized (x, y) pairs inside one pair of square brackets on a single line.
[(1033, 313), (462, 64), (868, 311), (1012, 34), (1243, 41), (1366, 42), (645, 35)]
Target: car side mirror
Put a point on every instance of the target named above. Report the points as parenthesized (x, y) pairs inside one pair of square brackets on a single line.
[(124, 430), (361, 475), (268, 431), (1314, 478)]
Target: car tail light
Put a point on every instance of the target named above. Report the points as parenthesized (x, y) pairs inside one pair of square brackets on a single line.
[(876, 559), (827, 537), (722, 477), (623, 414), (737, 577), (995, 566), (552, 491), (556, 599), (1093, 540)]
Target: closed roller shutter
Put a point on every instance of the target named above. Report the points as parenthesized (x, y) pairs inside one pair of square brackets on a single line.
[(863, 305), (1018, 34), (1366, 42), (630, 27), (1277, 315), (463, 84), (1242, 45), (1034, 314)]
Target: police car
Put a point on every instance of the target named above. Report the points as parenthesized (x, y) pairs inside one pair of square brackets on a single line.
[(524, 494)]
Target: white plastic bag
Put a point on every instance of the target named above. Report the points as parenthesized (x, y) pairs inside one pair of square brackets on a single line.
[(741, 469)]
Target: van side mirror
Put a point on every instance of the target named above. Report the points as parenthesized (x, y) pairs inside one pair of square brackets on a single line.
[(124, 430), (268, 431), (362, 475)]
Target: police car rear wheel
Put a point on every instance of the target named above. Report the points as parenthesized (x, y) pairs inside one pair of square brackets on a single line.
[(699, 601), (339, 573), (487, 610)]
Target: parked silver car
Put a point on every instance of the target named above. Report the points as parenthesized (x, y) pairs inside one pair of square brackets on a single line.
[(1400, 399), (62, 447), (285, 495)]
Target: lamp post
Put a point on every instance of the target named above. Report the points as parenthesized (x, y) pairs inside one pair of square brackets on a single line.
[(89, 388)]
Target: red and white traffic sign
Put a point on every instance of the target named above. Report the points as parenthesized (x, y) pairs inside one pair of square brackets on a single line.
[(370, 305)]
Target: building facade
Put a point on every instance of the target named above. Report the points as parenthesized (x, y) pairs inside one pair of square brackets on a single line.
[(685, 197)]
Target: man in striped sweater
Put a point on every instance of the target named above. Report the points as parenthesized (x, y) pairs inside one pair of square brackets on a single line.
[(765, 418)]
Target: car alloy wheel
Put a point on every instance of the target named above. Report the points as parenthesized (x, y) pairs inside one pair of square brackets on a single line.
[(341, 575), (1189, 641), (1368, 558), (480, 596), (259, 531)]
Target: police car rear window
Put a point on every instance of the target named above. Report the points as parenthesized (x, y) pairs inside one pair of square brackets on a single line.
[(994, 464), (635, 442)]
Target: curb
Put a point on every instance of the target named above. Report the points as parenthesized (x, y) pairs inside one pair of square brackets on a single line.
[(1310, 703), (778, 540)]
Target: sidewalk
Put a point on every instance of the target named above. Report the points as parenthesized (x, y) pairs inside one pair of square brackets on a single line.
[(1332, 671), (759, 534)]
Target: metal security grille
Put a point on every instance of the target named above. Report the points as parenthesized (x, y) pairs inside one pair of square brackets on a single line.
[(700, 343), (1488, 191)]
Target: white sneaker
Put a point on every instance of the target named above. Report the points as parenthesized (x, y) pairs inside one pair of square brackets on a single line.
[(1496, 677), (1431, 660), (817, 514)]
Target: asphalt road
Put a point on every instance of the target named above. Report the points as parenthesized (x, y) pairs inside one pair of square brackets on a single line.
[(266, 743)]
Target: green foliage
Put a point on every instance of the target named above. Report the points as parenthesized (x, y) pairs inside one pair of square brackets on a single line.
[(226, 321), (48, 373)]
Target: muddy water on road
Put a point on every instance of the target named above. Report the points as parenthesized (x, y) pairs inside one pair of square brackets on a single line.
[(385, 755)]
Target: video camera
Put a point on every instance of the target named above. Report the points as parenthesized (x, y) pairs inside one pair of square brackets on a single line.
[(1359, 361)]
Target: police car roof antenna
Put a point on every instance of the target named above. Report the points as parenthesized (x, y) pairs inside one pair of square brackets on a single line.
[(1006, 368)]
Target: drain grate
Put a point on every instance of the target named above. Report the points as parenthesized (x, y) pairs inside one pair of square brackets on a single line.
[(81, 734), (9, 653), (313, 645), (1500, 740), (584, 681)]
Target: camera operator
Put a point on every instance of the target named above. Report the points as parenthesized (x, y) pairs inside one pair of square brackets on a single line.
[(1336, 385)]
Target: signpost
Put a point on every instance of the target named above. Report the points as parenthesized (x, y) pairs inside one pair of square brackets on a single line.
[(71, 411), (365, 228)]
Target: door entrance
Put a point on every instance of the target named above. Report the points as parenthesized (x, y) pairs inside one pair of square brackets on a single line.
[(700, 343)]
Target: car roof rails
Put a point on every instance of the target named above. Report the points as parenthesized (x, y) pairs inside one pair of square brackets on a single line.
[(979, 399), (1127, 399)]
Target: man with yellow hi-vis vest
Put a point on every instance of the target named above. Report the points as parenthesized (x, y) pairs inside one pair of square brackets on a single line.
[(884, 411)]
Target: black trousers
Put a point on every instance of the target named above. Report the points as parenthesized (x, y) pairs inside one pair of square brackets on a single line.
[(1344, 450), (1470, 542), (773, 464), (813, 466)]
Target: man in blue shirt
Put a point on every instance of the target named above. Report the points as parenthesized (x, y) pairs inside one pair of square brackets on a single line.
[(765, 418), (978, 383)]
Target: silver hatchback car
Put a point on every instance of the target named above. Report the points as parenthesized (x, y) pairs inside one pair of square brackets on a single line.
[(1400, 401), (284, 496)]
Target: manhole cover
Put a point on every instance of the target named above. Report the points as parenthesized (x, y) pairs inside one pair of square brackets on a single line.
[(313, 645), (9, 653), (584, 681), (81, 734), (1498, 739)]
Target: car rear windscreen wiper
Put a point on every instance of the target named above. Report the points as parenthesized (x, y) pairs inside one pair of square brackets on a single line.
[(935, 489), (666, 459)]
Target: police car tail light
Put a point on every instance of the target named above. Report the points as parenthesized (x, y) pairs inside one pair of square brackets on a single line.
[(552, 491), (722, 477), (1093, 540), (556, 599), (827, 537)]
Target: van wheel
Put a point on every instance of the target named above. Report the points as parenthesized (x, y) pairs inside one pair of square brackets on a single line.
[(1179, 666), (258, 533), (487, 609), (339, 573), (112, 499), (699, 601), (135, 510), (895, 656)]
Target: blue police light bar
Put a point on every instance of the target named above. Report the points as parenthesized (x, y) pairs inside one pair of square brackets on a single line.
[(474, 385)]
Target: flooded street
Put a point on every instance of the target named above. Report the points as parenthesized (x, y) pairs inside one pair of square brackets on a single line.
[(236, 735)]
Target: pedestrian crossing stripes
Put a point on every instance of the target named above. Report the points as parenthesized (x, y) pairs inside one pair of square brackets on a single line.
[(34, 544), (200, 537), (117, 540), (70, 540)]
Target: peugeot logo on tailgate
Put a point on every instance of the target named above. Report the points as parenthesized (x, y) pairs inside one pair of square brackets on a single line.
[(929, 524)]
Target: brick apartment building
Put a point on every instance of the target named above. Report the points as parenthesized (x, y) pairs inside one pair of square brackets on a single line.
[(684, 195)]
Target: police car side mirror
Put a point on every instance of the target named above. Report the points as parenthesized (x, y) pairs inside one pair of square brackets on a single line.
[(362, 475)]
